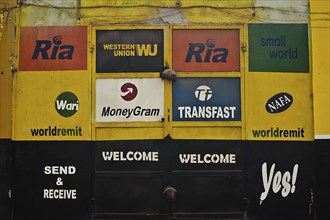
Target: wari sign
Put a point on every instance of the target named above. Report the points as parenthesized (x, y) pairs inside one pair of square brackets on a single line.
[(53, 48), (129, 100), (56, 107), (206, 50), (129, 51), (206, 99), (278, 48)]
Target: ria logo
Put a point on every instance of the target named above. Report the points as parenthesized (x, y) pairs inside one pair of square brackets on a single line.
[(203, 93), (129, 91), (215, 55), (53, 50), (67, 104)]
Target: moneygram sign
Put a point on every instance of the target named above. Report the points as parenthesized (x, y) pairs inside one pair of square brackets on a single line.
[(206, 50), (129, 51), (129, 100), (206, 99), (53, 48)]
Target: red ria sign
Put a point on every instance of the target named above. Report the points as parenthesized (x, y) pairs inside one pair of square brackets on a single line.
[(53, 48), (211, 50)]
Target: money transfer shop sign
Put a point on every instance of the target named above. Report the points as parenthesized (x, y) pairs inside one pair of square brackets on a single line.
[(206, 99), (206, 50), (129, 51), (53, 48), (278, 48), (129, 100)]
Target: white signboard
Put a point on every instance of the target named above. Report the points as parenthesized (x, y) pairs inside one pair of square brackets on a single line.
[(129, 100)]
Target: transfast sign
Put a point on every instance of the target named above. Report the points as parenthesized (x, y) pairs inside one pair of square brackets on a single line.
[(129, 51), (53, 48), (206, 50), (206, 99), (129, 100)]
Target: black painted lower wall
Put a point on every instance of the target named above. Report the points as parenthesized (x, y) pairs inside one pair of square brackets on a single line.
[(322, 179), (5, 178), (164, 179)]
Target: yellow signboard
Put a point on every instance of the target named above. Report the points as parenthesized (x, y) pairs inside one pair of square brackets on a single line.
[(52, 106), (279, 106), (130, 98)]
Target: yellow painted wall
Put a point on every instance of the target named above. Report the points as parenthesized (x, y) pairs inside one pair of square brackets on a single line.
[(297, 119), (135, 13), (35, 116), (7, 59), (165, 11), (320, 23)]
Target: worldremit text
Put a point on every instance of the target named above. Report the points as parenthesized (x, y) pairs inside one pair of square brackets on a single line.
[(55, 131), (279, 133)]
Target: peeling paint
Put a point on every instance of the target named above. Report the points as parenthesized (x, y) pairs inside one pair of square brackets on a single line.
[(48, 13), (172, 16), (295, 11), (101, 12)]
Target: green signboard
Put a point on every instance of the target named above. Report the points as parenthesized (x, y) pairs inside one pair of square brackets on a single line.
[(278, 48)]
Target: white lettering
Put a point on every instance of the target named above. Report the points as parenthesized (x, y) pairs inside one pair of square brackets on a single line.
[(184, 158), (278, 181), (207, 111), (130, 156), (62, 104), (181, 108), (207, 158), (62, 170), (60, 194), (266, 181)]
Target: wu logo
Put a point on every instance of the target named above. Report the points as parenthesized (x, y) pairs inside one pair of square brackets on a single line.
[(203, 93), (52, 50)]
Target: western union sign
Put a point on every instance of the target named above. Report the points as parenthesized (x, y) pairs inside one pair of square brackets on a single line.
[(129, 51)]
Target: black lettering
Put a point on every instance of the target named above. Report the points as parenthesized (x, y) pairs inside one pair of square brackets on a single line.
[(54, 52), (195, 49), (105, 111), (66, 52), (42, 46), (221, 57), (262, 42)]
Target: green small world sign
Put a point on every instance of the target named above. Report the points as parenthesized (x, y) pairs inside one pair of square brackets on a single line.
[(278, 48)]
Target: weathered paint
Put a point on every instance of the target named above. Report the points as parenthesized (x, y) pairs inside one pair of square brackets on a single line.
[(7, 60), (281, 11), (162, 12), (42, 13), (263, 159), (48, 13)]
